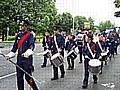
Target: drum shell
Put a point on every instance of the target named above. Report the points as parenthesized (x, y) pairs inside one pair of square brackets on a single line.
[(94, 66), (57, 61), (94, 70), (103, 58), (72, 56)]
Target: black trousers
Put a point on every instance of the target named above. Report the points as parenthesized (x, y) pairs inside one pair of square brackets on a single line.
[(45, 58), (115, 50), (70, 62), (86, 72), (20, 75), (80, 53), (55, 69)]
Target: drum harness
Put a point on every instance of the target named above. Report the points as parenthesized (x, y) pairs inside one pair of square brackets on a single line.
[(93, 55), (56, 44), (100, 46)]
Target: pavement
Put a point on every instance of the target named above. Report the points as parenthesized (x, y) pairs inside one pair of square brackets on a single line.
[(109, 80)]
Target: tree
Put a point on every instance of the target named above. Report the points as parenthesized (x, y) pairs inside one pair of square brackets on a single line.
[(79, 22), (104, 25), (65, 21), (41, 14), (91, 21), (117, 5)]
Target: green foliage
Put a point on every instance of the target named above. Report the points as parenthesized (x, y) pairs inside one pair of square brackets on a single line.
[(65, 21), (41, 14), (117, 5), (104, 25), (79, 22)]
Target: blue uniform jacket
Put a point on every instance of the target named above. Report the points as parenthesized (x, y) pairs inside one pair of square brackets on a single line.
[(116, 40), (70, 44), (48, 41), (60, 42), (110, 44), (27, 44), (87, 53), (102, 43)]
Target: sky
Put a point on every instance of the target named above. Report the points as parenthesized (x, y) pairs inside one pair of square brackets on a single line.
[(99, 10)]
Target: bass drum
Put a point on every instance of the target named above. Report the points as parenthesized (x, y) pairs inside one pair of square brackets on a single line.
[(118, 49), (94, 66)]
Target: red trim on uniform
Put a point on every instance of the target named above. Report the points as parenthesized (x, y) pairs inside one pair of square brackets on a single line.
[(22, 39)]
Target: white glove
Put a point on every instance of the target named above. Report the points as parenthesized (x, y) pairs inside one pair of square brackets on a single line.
[(10, 55), (59, 50), (100, 57), (28, 53)]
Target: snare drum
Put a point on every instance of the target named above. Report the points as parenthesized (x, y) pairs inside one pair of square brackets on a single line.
[(104, 56), (72, 54), (57, 59), (94, 66)]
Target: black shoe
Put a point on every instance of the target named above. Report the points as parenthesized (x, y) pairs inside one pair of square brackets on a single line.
[(100, 73), (85, 84), (72, 68), (105, 62), (42, 66), (69, 68), (53, 79), (62, 76), (80, 62), (95, 81)]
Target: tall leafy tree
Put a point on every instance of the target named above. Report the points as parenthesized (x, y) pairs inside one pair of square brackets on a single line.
[(41, 14), (104, 25), (79, 22), (65, 20), (117, 5)]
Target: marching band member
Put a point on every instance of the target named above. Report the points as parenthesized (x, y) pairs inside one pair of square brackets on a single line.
[(47, 41), (24, 43), (89, 49), (59, 48), (110, 45), (79, 41), (100, 45), (70, 45), (116, 40)]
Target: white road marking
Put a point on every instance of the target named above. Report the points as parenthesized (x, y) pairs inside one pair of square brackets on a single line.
[(2, 77), (109, 85)]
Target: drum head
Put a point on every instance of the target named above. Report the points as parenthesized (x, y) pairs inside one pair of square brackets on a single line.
[(77, 50), (55, 56), (94, 62), (118, 49), (104, 54)]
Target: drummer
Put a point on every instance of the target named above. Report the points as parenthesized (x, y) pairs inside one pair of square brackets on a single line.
[(100, 44), (47, 42), (110, 43), (79, 41), (70, 45), (116, 39), (87, 56), (60, 41)]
